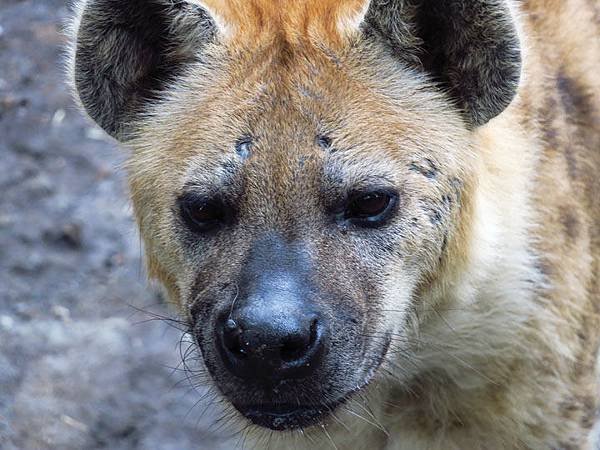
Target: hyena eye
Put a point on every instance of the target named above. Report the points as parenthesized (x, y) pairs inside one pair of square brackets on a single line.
[(370, 209), (201, 215)]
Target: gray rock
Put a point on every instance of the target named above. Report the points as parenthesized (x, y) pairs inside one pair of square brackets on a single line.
[(79, 367)]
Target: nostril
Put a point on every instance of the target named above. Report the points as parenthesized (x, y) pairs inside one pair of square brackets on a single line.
[(232, 338), (296, 347), (292, 350)]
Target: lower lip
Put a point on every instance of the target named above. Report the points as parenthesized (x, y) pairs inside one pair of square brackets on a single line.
[(285, 417)]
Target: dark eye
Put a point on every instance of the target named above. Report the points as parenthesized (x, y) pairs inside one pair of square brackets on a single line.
[(202, 215), (370, 209)]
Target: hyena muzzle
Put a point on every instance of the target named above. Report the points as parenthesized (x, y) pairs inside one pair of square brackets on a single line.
[(379, 218)]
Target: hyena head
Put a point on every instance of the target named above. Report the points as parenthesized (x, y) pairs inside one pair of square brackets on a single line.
[(301, 172)]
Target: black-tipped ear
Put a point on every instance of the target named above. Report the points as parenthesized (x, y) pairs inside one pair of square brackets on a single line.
[(470, 46), (124, 51)]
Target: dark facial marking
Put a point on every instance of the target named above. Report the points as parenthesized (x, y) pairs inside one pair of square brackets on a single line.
[(544, 268), (457, 186), (435, 216), (426, 167), (304, 159), (438, 210), (447, 202), (243, 147), (571, 160), (324, 142), (547, 115), (591, 413), (309, 92), (229, 167), (588, 420), (444, 245), (575, 100), (582, 116), (570, 223), (595, 282), (580, 404), (573, 97)]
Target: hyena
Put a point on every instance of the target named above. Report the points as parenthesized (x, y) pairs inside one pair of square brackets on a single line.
[(380, 219)]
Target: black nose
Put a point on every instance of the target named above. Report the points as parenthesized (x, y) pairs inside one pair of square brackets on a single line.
[(268, 345), (273, 329)]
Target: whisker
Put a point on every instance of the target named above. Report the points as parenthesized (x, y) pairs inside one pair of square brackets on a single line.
[(329, 437), (354, 413), (444, 348)]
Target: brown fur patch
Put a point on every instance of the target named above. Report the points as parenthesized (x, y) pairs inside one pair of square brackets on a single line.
[(570, 222), (249, 22)]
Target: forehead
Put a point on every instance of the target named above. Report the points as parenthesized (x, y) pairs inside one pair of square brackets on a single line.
[(282, 100), (246, 22)]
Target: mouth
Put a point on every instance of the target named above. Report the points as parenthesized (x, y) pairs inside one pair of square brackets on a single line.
[(286, 416)]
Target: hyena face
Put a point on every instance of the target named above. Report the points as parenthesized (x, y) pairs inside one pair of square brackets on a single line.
[(299, 180), (294, 216)]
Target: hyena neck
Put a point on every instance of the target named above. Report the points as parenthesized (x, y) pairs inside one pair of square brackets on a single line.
[(483, 351)]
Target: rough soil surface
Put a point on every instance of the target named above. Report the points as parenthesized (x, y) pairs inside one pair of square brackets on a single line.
[(77, 368)]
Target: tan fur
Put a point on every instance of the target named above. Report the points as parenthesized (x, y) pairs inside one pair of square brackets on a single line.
[(501, 350), (247, 22)]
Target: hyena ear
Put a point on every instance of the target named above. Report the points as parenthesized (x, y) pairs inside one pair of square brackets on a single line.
[(124, 51), (470, 46)]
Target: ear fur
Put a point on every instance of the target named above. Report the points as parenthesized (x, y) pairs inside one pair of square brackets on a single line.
[(124, 51), (471, 47)]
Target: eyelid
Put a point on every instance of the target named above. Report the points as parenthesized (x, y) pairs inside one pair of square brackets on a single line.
[(348, 182), (345, 194), (206, 192), (190, 197), (372, 189), (377, 220), (341, 200)]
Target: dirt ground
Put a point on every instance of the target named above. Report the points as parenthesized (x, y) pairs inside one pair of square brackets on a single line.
[(80, 368)]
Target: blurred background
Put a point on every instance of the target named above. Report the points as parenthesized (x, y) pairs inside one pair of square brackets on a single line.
[(81, 367)]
